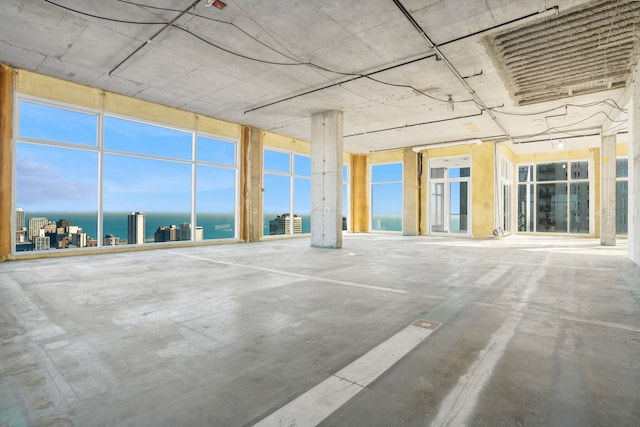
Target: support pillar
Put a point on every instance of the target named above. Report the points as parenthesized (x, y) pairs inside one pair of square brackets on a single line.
[(6, 163), (608, 191), (326, 179), (359, 194), (410, 197), (634, 174), (250, 184)]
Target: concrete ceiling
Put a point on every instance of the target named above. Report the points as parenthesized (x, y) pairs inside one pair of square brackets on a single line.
[(404, 72)]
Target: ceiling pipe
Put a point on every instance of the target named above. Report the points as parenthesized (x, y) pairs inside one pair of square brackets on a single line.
[(446, 144), (451, 67), (413, 125), (402, 64), (160, 31)]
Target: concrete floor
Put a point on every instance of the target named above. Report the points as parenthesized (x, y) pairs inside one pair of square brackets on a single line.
[(533, 332)]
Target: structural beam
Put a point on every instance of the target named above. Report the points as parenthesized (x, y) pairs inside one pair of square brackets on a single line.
[(326, 179)]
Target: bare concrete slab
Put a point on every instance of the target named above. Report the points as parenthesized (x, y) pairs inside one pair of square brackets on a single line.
[(531, 331)]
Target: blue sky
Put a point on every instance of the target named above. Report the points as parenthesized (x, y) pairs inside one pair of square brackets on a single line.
[(66, 178)]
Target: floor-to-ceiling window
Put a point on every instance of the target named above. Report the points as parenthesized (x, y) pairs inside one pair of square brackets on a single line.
[(622, 196), (554, 197), (386, 197), (506, 189), (86, 178), (449, 200), (287, 193)]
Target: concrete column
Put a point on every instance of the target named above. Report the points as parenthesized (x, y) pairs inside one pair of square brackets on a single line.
[(250, 184), (6, 163), (634, 174), (359, 194), (410, 193), (326, 179), (608, 191)]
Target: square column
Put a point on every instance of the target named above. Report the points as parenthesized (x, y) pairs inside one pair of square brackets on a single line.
[(326, 179), (608, 191), (634, 174)]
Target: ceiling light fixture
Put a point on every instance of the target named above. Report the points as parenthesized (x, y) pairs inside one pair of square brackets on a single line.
[(450, 104)]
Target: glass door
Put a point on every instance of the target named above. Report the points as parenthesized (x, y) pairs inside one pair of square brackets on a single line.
[(450, 196)]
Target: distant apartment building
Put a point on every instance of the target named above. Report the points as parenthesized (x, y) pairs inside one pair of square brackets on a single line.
[(110, 240), (19, 219), (35, 225), (41, 243), (282, 224), (166, 233), (135, 228)]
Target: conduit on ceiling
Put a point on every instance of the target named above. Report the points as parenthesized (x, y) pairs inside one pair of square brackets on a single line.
[(451, 67)]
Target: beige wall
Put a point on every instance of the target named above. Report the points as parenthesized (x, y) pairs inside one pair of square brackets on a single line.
[(482, 190), (6, 163)]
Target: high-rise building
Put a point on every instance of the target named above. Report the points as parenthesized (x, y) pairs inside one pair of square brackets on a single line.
[(282, 224), (19, 219), (110, 240), (165, 233), (135, 228), (35, 224)]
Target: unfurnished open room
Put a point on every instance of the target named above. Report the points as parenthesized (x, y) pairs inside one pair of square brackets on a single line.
[(312, 212)]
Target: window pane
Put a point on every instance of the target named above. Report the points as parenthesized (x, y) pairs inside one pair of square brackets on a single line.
[(552, 172), (159, 190), (215, 151), (525, 173), (215, 202), (302, 203), (345, 206), (579, 170), (386, 173), (55, 185), (345, 173), (276, 161), (458, 207), (579, 207), (526, 207), (57, 124), (301, 165), (622, 168), (622, 207), (276, 202), (437, 207), (552, 208), (437, 173), (386, 207), (459, 172), (143, 138)]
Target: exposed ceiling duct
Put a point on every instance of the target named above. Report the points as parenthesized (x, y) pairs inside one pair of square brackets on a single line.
[(586, 49)]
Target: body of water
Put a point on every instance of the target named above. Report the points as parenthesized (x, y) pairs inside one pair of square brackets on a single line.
[(215, 225)]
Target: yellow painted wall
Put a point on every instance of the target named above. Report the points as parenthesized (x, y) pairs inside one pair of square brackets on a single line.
[(54, 89), (274, 140), (360, 193), (482, 190), (6, 162)]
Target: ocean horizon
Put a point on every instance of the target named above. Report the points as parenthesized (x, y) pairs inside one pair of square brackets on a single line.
[(214, 225)]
